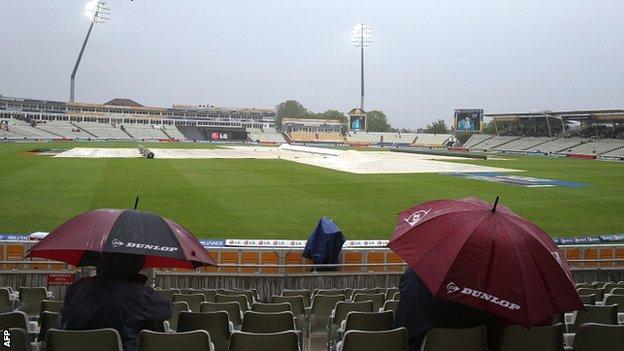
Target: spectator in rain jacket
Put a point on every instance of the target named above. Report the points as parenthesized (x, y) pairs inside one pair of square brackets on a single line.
[(115, 298)]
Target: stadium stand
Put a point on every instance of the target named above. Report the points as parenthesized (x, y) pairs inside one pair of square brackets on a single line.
[(144, 131), (491, 143), (476, 139), (192, 133), (103, 130), (523, 144), (556, 145), (172, 132), (615, 153), (596, 147), (431, 140), (18, 129), (266, 135), (63, 129)]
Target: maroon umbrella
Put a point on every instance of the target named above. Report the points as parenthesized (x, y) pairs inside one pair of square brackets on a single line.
[(163, 242), (470, 252)]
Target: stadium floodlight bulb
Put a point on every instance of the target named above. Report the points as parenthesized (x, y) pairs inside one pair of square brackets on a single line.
[(97, 11), (362, 35)]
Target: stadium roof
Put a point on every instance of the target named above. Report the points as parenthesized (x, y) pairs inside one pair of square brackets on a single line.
[(604, 116), (123, 102)]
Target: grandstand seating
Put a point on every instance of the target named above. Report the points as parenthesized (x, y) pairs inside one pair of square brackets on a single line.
[(173, 132), (615, 153), (431, 140), (596, 147), (266, 135), (103, 130), (491, 143), (386, 138), (144, 132), (319, 137), (17, 129), (476, 139), (556, 145), (63, 129), (522, 143)]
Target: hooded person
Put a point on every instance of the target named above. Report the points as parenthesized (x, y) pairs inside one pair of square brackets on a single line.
[(115, 298), (419, 311)]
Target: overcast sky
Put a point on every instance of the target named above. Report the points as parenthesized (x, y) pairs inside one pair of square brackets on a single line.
[(428, 57)]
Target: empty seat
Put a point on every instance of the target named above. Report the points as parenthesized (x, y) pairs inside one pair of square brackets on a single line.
[(259, 322), (194, 301), (390, 293), (106, 339), (518, 338), (283, 341), (304, 293), (167, 293), (362, 291), (6, 303), (468, 339), (377, 299), (217, 324), (369, 321), (30, 299), (20, 340), (608, 287), (391, 305), (178, 307), (271, 307), (588, 299), (209, 294), (232, 308), (191, 340), (241, 299), (14, 319), (387, 340), (322, 307), (588, 291), (248, 293), (614, 300), (340, 314), (592, 336), (296, 307), (47, 321), (595, 314)]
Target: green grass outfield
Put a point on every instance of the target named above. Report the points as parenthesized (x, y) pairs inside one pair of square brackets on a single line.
[(240, 198)]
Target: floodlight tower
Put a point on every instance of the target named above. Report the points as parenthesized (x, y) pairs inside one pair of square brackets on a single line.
[(97, 11), (362, 37)]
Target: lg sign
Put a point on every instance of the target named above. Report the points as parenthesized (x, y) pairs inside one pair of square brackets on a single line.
[(219, 136)]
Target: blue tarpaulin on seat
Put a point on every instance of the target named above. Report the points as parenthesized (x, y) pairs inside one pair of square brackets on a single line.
[(325, 243)]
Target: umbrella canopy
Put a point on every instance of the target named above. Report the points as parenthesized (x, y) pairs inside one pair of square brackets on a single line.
[(325, 243), (163, 242), (495, 260)]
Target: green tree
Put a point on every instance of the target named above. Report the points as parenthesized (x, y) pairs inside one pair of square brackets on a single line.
[(376, 121), (437, 127), (289, 108)]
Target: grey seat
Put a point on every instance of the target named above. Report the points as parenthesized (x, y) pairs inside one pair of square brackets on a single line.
[(391, 305), (106, 339), (387, 340), (614, 300), (369, 321), (617, 291), (178, 307), (30, 299), (14, 319), (217, 324), (20, 340), (390, 293), (241, 299), (596, 314), (546, 338), (377, 299), (608, 287), (283, 341), (468, 339), (297, 307), (194, 301), (340, 314), (167, 293), (259, 322), (322, 307), (271, 307), (232, 308), (592, 336), (48, 320), (588, 299), (209, 294), (6, 305), (363, 291), (304, 293), (191, 340), (588, 291), (248, 294)]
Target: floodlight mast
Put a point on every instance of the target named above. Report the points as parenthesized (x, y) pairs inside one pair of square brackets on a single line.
[(362, 37), (98, 12)]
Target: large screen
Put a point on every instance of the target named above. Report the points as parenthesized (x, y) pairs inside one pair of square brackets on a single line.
[(468, 120), (357, 123)]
